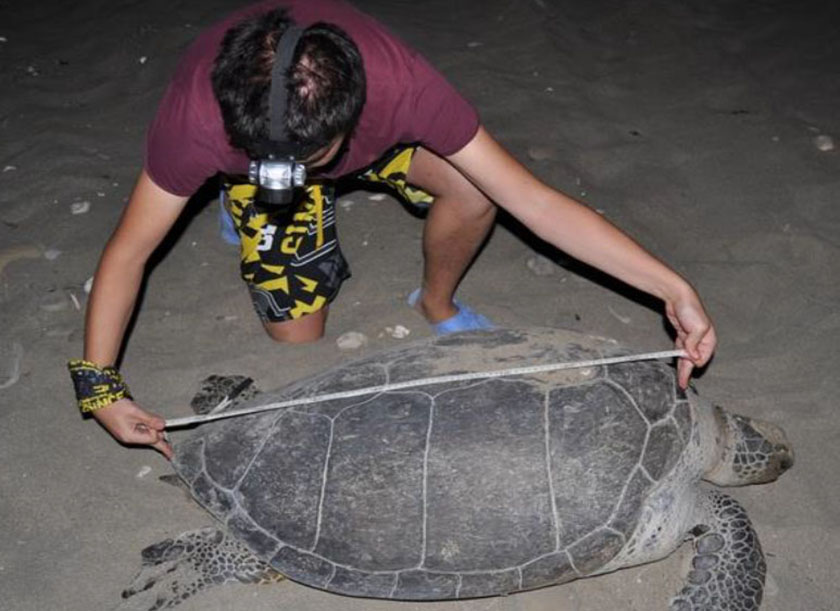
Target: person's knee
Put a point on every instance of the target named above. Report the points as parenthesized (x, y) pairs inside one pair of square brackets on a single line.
[(283, 337), (470, 205), (451, 188), (484, 208), (304, 330)]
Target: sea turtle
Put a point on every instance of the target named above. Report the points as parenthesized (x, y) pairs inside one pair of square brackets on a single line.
[(474, 488)]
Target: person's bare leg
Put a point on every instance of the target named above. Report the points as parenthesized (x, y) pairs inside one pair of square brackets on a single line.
[(301, 330), (457, 224)]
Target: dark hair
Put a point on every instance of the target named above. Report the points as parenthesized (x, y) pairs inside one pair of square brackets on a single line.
[(326, 84)]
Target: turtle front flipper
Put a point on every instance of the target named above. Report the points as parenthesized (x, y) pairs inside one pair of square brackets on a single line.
[(728, 567), (176, 569), (216, 388)]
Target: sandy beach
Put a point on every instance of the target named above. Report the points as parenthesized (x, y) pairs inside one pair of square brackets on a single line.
[(708, 131)]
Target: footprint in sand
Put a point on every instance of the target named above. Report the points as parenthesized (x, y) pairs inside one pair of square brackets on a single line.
[(15, 253)]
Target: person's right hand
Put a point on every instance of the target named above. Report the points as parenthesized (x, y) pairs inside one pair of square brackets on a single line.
[(695, 332), (131, 425)]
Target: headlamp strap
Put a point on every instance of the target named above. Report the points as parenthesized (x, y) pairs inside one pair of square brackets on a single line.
[(278, 95)]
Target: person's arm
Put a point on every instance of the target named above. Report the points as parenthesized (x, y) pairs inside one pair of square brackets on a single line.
[(150, 213), (587, 236)]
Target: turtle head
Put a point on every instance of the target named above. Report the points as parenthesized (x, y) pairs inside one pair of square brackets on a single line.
[(751, 451)]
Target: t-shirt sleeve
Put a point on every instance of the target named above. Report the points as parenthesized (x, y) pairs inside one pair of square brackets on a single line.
[(441, 119), (179, 155)]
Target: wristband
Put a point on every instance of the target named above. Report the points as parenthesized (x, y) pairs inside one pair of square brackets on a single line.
[(96, 387)]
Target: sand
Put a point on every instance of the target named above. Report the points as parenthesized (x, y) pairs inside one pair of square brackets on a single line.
[(692, 125)]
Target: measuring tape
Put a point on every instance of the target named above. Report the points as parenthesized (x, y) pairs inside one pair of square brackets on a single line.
[(460, 377)]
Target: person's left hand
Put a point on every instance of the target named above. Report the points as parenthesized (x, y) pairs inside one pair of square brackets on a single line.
[(695, 333)]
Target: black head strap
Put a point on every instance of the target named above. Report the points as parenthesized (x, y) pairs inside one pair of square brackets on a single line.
[(278, 96)]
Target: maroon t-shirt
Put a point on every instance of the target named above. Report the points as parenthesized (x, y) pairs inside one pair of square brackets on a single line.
[(407, 101)]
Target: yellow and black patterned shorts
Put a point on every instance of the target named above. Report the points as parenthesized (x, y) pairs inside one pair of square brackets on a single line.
[(293, 266)]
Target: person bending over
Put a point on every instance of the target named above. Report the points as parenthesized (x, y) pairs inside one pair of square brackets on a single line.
[(348, 99)]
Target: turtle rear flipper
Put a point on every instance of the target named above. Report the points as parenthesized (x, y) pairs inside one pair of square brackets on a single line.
[(176, 569), (728, 567)]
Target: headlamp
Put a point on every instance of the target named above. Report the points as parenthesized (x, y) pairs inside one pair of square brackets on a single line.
[(277, 179)]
